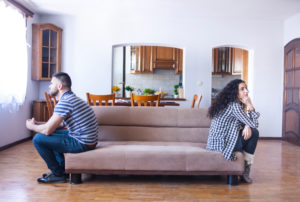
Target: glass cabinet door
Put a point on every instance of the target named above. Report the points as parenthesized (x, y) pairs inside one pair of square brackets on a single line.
[(49, 52)]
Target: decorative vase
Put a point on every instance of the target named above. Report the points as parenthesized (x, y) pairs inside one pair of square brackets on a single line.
[(127, 93), (118, 94)]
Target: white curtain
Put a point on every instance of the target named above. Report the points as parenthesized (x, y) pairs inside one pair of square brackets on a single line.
[(13, 57)]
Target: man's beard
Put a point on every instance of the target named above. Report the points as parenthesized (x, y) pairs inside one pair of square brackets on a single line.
[(55, 93)]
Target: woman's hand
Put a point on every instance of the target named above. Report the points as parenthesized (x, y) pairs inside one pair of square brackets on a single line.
[(247, 133), (247, 101)]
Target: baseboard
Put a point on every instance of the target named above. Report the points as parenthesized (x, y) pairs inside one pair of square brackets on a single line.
[(15, 143), (271, 138)]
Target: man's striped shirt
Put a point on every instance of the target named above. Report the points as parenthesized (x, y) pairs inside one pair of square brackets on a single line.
[(78, 117)]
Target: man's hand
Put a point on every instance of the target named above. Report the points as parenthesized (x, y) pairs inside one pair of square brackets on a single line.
[(30, 123), (47, 128), (247, 133)]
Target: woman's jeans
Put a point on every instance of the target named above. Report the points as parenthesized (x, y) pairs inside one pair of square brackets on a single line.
[(52, 148), (249, 145)]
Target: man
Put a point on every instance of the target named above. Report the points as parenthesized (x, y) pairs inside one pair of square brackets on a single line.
[(81, 135)]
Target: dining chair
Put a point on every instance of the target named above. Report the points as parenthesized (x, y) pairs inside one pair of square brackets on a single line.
[(144, 99), (196, 101), (98, 100), (51, 102)]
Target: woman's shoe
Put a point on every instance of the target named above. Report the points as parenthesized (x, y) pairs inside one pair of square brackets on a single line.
[(246, 176)]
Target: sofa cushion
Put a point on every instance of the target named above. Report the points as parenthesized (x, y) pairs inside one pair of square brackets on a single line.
[(151, 156), (152, 116), (163, 134)]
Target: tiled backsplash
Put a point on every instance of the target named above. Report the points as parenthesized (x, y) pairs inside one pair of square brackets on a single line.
[(160, 79)]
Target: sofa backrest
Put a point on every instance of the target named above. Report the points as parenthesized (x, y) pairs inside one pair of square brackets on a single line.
[(119, 123)]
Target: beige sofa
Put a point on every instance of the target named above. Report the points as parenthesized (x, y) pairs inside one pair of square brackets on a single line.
[(150, 140)]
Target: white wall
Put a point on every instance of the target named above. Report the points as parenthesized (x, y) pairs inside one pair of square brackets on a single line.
[(12, 125), (89, 37), (292, 28)]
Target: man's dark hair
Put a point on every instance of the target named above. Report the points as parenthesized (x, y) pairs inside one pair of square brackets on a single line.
[(64, 79)]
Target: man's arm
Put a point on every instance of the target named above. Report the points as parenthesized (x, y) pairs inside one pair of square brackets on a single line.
[(47, 128)]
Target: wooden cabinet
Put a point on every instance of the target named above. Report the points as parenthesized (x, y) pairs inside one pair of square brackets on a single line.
[(40, 110), (141, 59), (144, 59), (46, 50), (178, 65), (164, 57), (240, 57), (230, 61), (222, 60)]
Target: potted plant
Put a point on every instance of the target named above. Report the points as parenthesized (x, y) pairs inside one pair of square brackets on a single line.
[(149, 91), (176, 91), (129, 90), (115, 89)]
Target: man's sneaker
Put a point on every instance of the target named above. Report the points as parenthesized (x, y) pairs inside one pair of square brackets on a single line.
[(67, 175), (51, 178)]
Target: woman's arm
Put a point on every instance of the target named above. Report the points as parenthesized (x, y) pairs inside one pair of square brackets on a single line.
[(239, 113)]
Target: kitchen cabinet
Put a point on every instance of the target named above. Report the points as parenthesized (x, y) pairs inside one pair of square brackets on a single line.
[(178, 65), (141, 59), (237, 65), (230, 61), (222, 60), (164, 57), (46, 51), (240, 63), (144, 59)]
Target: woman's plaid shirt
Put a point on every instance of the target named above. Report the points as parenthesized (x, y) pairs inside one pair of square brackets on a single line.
[(224, 129)]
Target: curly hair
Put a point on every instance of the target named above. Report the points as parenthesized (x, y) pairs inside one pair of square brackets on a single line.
[(227, 95)]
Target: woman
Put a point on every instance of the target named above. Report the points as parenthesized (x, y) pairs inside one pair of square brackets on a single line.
[(231, 128)]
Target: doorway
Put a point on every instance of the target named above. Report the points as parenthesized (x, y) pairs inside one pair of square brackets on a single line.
[(229, 63)]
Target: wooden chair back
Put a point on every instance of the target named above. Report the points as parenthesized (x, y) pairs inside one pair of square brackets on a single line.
[(145, 99), (196, 101), (51, 102), (98, 100)]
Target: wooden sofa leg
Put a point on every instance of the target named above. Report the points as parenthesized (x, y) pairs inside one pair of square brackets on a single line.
[(75, 179), (232, 180)]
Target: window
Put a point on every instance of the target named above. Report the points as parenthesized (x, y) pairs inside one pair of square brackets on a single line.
[(13, 57)]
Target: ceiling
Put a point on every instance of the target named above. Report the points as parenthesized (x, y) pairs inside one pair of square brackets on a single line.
[(244, 9)]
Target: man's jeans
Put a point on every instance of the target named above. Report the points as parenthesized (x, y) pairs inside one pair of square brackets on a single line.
[(52, 148), (249, 145)]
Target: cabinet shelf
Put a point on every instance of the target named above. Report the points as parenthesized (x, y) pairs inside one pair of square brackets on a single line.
[(51, 63), (49, 47)]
